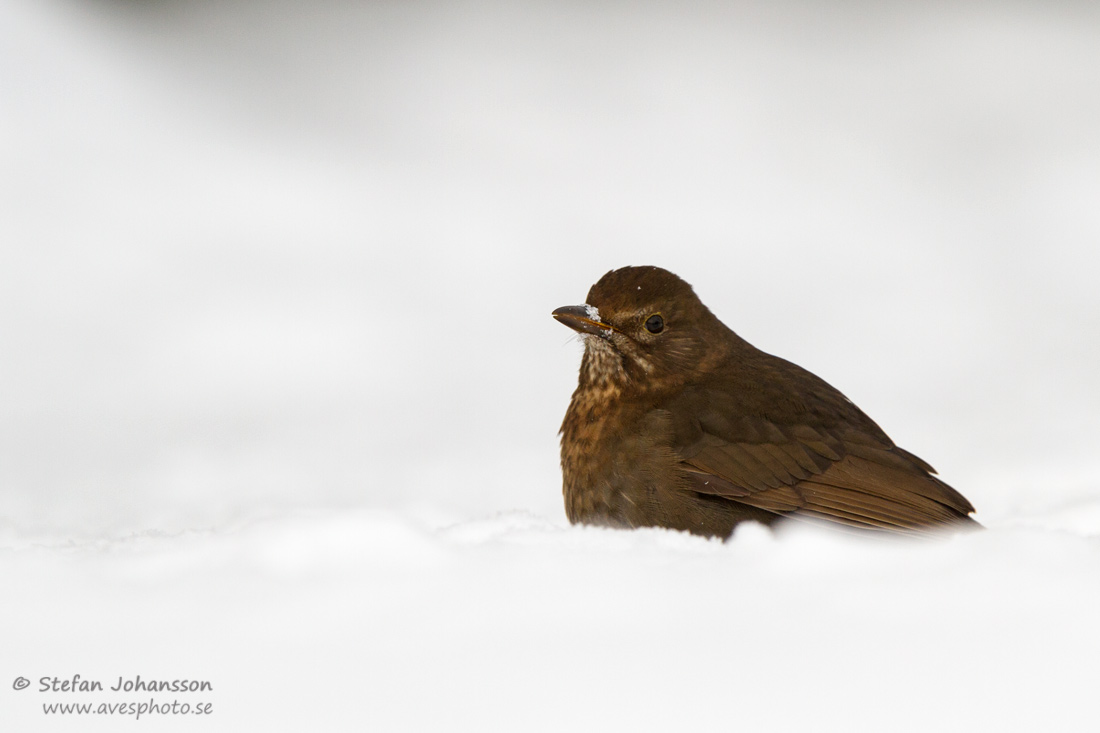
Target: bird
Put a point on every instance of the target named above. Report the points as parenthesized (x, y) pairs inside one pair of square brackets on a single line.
[(678, 422)]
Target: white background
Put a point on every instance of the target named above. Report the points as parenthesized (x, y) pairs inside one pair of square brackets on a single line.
[(279, 388)]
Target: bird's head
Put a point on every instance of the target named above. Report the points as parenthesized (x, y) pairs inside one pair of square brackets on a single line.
[(645, 329)]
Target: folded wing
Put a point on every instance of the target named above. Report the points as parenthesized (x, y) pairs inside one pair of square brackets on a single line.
[(839, 467)]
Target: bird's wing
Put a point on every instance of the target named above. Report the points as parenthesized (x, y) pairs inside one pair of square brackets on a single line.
[(828, 468)]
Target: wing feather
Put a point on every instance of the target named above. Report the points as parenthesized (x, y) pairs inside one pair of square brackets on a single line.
[(842, 473)]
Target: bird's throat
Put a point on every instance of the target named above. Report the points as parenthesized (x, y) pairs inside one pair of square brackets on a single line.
[(602, 367)]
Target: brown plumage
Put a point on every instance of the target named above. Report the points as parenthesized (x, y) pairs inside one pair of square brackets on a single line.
[(679, 422)]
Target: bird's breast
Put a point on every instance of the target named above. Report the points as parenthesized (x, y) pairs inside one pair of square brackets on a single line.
[(615, 460)]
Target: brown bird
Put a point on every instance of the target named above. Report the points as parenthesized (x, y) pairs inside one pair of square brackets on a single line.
[(679, 422)]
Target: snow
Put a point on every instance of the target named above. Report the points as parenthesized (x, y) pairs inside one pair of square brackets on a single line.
[(512, 621), (593, 312), (281, 387)]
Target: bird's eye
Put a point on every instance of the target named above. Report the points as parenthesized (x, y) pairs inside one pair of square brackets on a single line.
[(655, 324)]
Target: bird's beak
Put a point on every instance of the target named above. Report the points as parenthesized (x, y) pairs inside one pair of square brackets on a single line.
[(584, 319)]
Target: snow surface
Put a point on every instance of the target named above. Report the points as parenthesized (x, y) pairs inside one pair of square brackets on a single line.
[(281, 387), (365, 619)]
